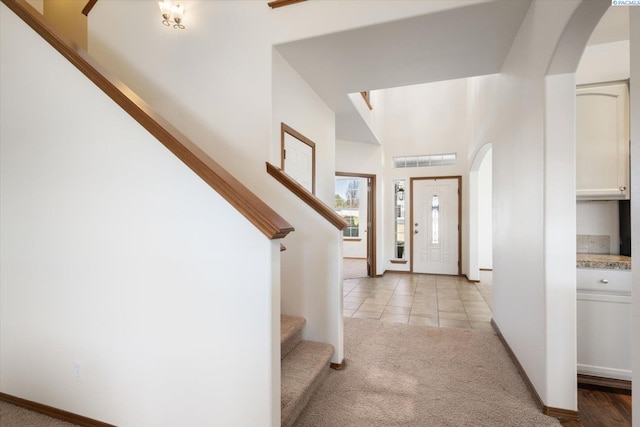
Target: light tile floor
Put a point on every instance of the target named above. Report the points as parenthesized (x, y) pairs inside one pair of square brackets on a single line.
[(421, 299)]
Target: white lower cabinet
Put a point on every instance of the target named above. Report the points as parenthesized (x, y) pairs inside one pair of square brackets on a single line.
[(604, 323)]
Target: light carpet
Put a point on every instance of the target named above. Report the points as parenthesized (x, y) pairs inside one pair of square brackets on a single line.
[(15, 416), (406, 375)]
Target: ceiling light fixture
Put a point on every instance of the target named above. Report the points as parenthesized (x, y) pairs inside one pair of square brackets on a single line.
[(171, 14)]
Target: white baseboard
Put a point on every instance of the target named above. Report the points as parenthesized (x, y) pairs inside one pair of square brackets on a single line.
[(600, 371)]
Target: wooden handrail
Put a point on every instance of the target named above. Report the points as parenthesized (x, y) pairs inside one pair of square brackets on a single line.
[(248, 204), (279, 3), (88, 7), (367, 100), (310, 199)]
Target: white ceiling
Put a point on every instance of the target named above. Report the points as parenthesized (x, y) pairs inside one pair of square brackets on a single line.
[(613, 27), (462, 42)]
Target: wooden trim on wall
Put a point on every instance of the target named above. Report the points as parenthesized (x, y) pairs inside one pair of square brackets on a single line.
[(235, 193), (561, 414), (279, 3), (367, 99), (284, 128), (310, 199), (52, 412), (338, 366), (610, 385), (374, 209), (88, 7), (459, 178)]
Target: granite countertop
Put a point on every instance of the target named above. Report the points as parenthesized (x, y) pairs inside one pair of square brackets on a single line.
[(609, 262)]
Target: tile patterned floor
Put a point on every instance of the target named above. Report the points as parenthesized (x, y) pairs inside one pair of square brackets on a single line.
[(421, 299)]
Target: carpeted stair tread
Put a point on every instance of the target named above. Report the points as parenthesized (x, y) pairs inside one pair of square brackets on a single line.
[(290, 333), (303, 371)]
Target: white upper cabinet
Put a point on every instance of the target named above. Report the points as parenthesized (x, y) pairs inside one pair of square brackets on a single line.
[(602, 142)]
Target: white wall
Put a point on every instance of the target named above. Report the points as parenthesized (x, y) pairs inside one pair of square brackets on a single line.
[(117, 256), (600, 218), (604, 62), (297, 105), (312, 264), (431, 118), (482, 92), (534, 207), (485, 215), (634, 26)]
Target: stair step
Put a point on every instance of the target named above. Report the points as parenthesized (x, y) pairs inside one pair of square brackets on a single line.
[(303, 371), (290, 333)]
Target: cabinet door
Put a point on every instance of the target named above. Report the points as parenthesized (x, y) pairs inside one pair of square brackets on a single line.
[(604, 335), (602, 142)]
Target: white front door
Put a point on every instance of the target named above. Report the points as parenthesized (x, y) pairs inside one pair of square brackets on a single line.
[(435, 225)]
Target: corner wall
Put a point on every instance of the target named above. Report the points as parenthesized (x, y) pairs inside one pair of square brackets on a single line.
[(634, 28), (534, 207), (485, 215), (312, 264)]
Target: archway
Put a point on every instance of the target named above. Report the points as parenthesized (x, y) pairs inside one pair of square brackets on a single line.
[(475, 208), (560, 179)]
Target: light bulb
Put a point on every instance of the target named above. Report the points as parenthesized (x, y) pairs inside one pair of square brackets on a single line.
[(165, 7), (178, 11)]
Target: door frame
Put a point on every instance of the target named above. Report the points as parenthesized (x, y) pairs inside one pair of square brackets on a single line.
[(459, 178), (371, 231)]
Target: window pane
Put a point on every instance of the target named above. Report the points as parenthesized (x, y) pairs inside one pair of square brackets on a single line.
[(347, 204), (399, 217), (425, 160), (353, 221)]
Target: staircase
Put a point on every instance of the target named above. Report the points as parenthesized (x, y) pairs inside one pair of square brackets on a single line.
[(305, 364)]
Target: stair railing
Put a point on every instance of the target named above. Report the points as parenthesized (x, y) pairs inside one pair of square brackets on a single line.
[(235, 193), (307, 197)]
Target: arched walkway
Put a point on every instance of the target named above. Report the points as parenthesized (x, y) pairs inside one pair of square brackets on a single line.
[(474, 211)]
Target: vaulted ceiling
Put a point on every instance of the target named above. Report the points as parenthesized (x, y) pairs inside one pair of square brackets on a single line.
[(462, 42)]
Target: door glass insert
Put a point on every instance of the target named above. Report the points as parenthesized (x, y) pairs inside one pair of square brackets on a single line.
[(398, 215), (435, 220)]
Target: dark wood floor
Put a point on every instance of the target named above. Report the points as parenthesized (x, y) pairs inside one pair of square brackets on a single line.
[(599, 408)]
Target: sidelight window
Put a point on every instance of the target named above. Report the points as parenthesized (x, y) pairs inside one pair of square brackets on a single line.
[(398, 214)]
